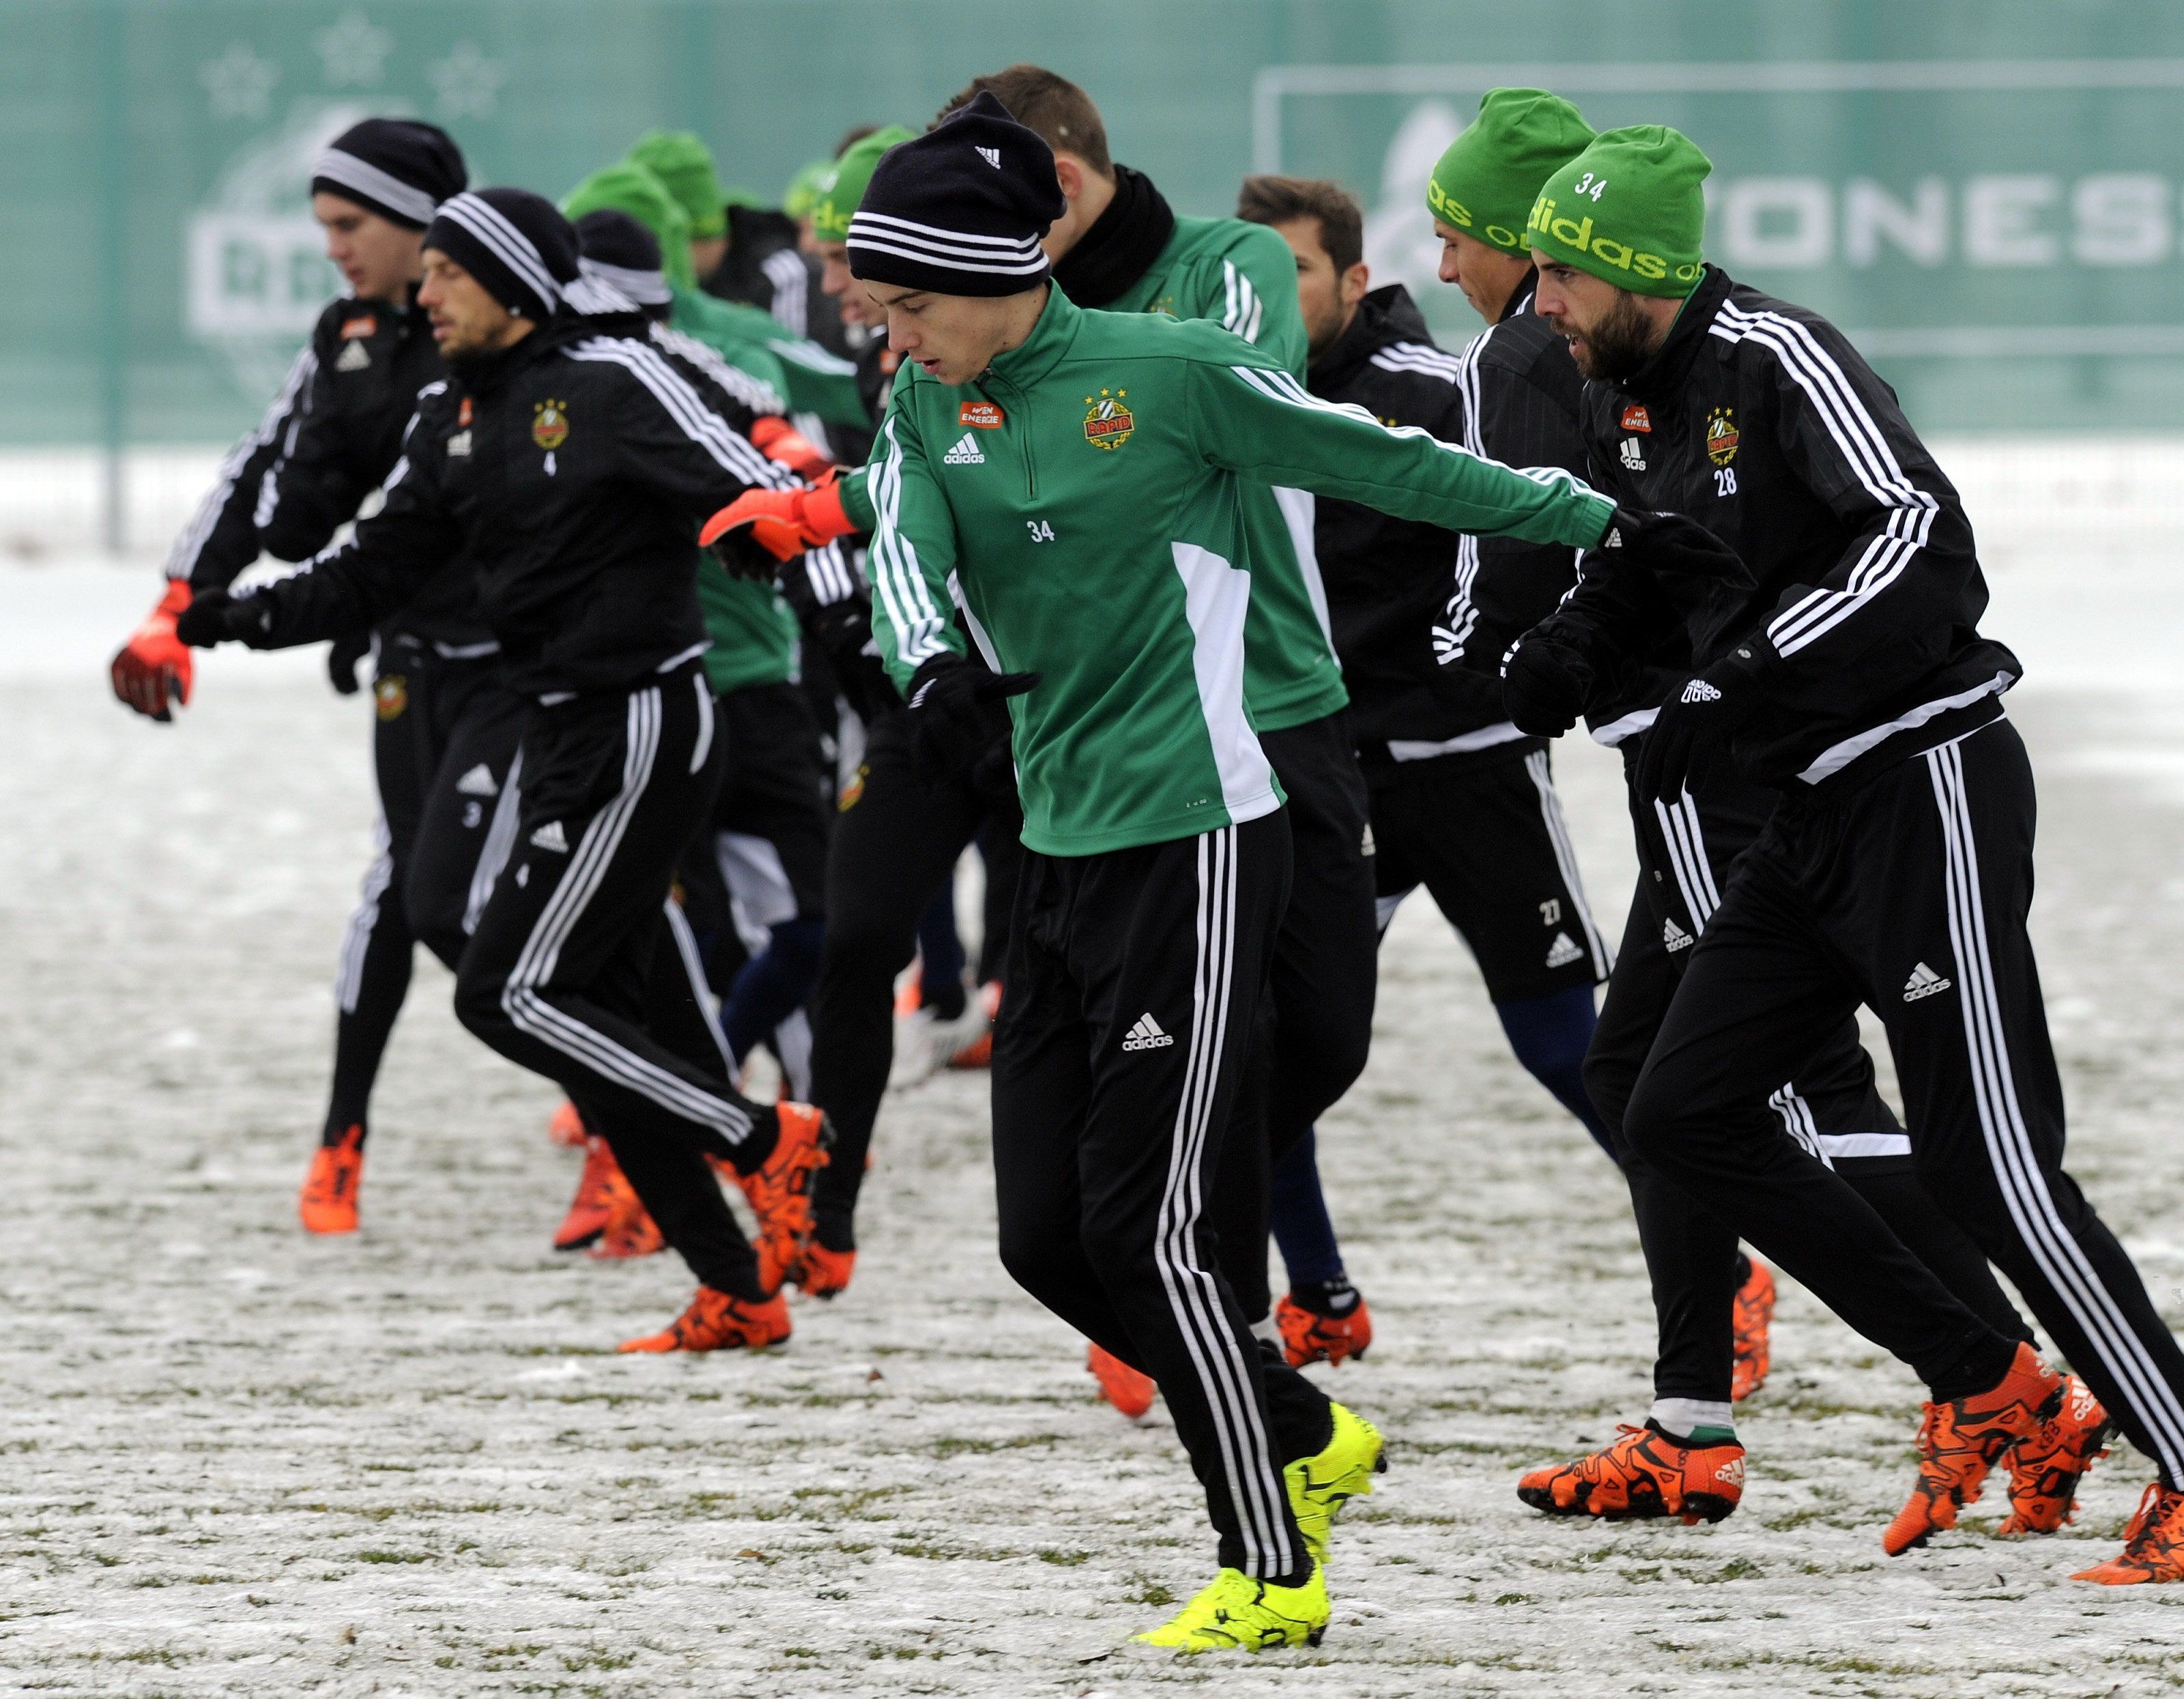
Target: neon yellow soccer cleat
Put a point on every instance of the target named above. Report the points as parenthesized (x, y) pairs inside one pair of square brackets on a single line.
[(1319, 1486), (1237, 1613)]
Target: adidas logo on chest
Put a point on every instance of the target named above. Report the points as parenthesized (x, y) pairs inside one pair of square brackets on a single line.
[(966, 453)]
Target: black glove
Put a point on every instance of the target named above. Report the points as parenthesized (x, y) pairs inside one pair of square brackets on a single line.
[(1673, 545), (951, 706), (742, 555), (204, 621), (1696, 723), (1545, 684), (342, 657)]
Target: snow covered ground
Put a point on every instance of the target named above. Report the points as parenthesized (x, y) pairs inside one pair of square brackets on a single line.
[(235, 1462)]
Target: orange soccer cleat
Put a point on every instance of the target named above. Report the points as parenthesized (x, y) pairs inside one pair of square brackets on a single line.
[(630, 1230), (1129, 1390), (825, 1273), (2046, 1467), (1643, 1473), (715, 1321), (1959, 1441), (599, 1186), (2152, 1546), (780, 1192), (1310, 1336), (1753, 1311), (567, 1126), (327, 1203)]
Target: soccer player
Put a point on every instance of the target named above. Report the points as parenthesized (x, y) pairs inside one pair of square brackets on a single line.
[(1713, 1306), (1118, 245), (1847, 671), (1099, 539), (446, 725), (571, 467), (769, 839), (1463, 802)]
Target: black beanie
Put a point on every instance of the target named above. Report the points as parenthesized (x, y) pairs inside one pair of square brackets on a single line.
[(396, 167), (960, 209), (518, 245), (619, 251)]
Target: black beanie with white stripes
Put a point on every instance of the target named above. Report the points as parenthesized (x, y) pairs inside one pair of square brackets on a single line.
[(959, 210), (396, 167), (520, 247), (619, 251)]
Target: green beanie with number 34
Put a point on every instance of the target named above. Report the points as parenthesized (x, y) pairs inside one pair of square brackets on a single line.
[(1630, 210)]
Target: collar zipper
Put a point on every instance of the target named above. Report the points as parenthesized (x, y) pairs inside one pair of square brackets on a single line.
[(1023, 411)]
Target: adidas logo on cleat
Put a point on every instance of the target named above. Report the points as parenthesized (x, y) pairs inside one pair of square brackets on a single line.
[(1562, 952), (478, 781), (1923, 982), (551, 837), (966, 453), (1732, 1472), (1674, 937), (1147, 1035)]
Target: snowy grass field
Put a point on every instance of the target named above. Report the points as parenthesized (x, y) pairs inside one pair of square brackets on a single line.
[(236, 1461)]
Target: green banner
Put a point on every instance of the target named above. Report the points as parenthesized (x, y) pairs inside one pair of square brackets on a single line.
[(1985, 195)]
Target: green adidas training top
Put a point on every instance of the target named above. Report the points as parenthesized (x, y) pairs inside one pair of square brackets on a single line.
[(1243, 277), (1087, 498)]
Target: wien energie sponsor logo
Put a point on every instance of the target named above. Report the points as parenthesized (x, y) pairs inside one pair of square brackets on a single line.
[(1576, 235)]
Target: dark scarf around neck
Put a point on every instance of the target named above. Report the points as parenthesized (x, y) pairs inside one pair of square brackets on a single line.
[(1122, 242)]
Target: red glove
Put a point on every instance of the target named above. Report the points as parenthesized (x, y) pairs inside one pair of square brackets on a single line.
[(151, 672), (783, 522), (779, 440)]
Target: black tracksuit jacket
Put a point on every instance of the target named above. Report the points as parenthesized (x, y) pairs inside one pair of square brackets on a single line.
[(329, 440), (1760, 420), (1422, 657), (577, 466)]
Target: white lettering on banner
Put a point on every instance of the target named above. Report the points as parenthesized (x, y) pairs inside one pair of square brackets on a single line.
[(1783, 222), (1919, 228), (255, 274), (2002, 220), (2120, 218)]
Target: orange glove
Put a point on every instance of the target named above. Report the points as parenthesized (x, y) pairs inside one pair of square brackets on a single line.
[(779, 440), (153, 671), (783, 522)]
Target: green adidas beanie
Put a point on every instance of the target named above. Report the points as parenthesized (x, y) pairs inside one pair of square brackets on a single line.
[(1629, 210), (802, 193), (844, 187), (633, 190), (1487, 180), (680, 160)]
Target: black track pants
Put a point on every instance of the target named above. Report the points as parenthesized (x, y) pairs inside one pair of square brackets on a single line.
[(565, 970), (442, 745), (1121, 1042), (1316, 1026), (1909, 893), (1831, 1106), (896, 839)]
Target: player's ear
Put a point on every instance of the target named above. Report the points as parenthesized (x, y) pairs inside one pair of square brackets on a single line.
[(1070, 174), (1357, 282)]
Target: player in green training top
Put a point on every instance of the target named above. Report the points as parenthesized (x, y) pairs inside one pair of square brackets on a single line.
[(1077, 478)]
